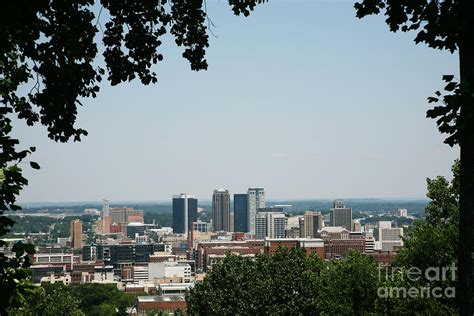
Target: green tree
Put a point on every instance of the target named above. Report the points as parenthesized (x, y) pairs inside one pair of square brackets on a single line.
[(96, 299), (432, 243), (54, 300), (14, 276), (287, 283), (446, 25), (348, 286)]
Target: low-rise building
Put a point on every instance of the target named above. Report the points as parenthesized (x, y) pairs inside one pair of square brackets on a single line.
[(308, 245), (173, 269), (162, 303), (64, 278), (209, 252)]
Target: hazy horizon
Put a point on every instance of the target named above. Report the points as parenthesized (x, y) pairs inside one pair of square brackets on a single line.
[(303, 100), (268, 199)]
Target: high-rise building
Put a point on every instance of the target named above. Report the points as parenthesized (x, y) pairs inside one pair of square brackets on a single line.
[(184, 213), (231, 222), (221, 210), (201, 226), (240, 213), (270, 224), (301, 226), (401, 212), (103, 225), (255, 200), (369, 244), (356, 226), (76, 234), (313, 221), (387, 237), (125, 215), (105, 208), (341, 215)]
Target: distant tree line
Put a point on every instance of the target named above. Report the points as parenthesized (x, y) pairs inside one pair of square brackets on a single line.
[(86, 299)]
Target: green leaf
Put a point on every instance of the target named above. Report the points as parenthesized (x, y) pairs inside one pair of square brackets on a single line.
[(34, 165)]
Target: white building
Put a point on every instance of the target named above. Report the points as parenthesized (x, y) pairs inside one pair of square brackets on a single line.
[(369, 244), (169, 269), (294, 221), (270, 224), (140, 273), (388, 237), (105, 208), (255, 200), (47, 258), (401, 212), (52, 278), (103, 274), (174, 288)]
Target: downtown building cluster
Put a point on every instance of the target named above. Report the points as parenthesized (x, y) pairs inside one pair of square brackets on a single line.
[(165, 262)]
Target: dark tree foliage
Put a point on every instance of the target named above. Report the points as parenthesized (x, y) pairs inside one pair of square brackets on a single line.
[(446, 25), (284, 284), (85, 299), (287, 283), (434, 242), (49, 65), (51, 300)]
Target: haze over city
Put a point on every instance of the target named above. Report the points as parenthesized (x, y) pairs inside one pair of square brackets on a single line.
[(304, 100)]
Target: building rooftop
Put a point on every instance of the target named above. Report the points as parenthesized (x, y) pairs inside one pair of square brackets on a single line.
[(333, 229), (161, 298), (136, 224), (175, 286)]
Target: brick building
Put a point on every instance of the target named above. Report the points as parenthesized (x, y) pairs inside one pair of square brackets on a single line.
[(309, 245)]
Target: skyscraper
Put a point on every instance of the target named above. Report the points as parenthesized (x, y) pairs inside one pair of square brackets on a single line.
[(270, 224), (105, 208), (184, 212), (313, 221), (241, 213), (76, 234), (221, 210), (255, 200), (106, 220), (340, 215)]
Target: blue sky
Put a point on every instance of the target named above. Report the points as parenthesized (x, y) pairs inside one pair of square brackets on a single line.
[(301, 98)]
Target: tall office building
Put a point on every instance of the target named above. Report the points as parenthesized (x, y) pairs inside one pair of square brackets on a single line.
[(105, 208), (103, 225), (301, 227), (221, 210), (241, 213), (341, 215), (313, 221), (255, 200), (270, 224), (387, 238), (184, 213), (76, 234), (125, 215)]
